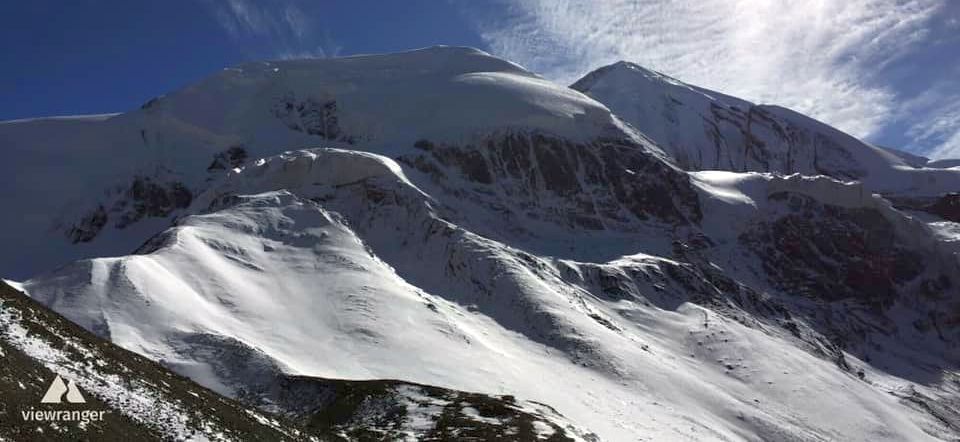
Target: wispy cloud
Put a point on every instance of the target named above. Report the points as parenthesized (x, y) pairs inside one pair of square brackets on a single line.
[(824, 58), (933, 119), (284, 28)]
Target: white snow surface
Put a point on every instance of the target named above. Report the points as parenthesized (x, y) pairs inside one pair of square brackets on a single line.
[(440, 93), (138, 400), (62, 168), (290, 277), (705, 130), (341, 263)]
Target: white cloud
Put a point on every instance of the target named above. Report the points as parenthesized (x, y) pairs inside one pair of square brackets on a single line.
[(282, 26), (819, 57), (950, 147), (934, 120)]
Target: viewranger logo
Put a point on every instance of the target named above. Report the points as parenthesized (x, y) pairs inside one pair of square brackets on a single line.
[(59, 391)]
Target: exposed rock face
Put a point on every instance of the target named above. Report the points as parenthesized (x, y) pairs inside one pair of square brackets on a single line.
[(312, 116), (147, 198), (706, 130), (597, 185), (754, 139), (829, 252), (231, 158), (380, 410), (144, 198), (139, 399), (88, 227), (947, 207)]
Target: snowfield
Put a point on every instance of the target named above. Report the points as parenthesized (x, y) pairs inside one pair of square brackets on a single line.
[(707, 130), (64, 168), (446, 218)]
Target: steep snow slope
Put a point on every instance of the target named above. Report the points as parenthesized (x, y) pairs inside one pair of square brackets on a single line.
[(707, 130), (93, 187), (475, 227), (138, 398), (350, 271), (141, 399)]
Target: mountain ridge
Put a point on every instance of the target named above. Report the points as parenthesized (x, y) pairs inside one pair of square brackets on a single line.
[(708, 130), (136, 397), (569, 259)]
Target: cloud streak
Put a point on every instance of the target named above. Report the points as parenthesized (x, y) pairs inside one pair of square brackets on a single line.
[(827, 59), (937, 131), (283, 28)]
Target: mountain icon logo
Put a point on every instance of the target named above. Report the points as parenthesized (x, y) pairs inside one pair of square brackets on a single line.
[(59, 391)]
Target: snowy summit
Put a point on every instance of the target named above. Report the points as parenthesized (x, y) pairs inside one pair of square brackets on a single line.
[(480, 249)]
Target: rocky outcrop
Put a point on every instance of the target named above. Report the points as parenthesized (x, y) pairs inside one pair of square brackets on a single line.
[(704, 130), (830, 252), (231, 158), (88, 227), (595, 185), (141, 399), (946, 206), (145, 197), (136, 398), (314, 116), (149, 198)]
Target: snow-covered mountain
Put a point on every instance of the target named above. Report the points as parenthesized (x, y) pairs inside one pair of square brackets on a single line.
[(115, 176), (446, 218), (707, 130), (132, 397)]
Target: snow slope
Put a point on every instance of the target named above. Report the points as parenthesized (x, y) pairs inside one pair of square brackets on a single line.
[(76, 178), (467, 225), (707, 130), (137, 398), (332, 263), (140, 399)]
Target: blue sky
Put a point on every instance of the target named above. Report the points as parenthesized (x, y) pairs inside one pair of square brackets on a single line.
[(883, 70)]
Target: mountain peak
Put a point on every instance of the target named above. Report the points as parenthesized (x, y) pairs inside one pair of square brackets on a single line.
[(444, 217), (453, 56), (623, 72), (386, 97), (634, 67), (707, 130)]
